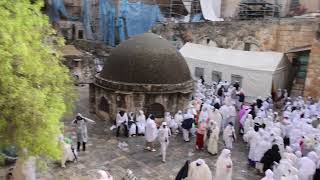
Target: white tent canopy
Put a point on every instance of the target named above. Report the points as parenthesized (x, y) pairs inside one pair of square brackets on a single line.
[(259, 72)]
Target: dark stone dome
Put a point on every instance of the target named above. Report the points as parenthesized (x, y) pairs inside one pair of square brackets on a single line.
[(146, 59)]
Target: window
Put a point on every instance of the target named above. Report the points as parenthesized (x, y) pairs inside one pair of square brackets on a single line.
[(199, 72), (104, 105), (235, 78), (247, 46), (216, 76)]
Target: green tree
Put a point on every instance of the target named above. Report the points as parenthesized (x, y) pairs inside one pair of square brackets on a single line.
[(36, 90)]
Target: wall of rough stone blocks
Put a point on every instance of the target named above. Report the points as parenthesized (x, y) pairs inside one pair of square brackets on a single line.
[(275, 35), (312, 85), (295, 35)]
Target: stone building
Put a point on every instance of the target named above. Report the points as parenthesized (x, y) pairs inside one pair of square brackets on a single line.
[(295, 37), (145, 72)]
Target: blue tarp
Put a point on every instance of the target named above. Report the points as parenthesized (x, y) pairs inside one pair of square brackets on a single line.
[(86, 19), (139, 18), (107, 21), (197, 18), (56, 8)]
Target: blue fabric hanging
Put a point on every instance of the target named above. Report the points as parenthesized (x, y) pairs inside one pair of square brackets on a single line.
[(86, 19), (107, 21), (56, 8)]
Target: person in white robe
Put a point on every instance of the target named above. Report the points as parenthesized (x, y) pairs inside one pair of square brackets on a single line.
[(187, 125), (122, 120), (167, 117), (262, 147), (215, 115), (82, 131), (151, 134), (199, 170), (253, 138), (164, 133), (285, 171), (224, 166), (141, 122), (178, 117), (306, 167), (248, 123), (67, 152), (229, 136), (268, 175), (213, 138), (289, 155), (225, 112), (102, 175), (204, 115), (132, 125)]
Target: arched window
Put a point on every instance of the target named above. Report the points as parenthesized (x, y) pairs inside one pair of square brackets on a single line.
[(104, 105)]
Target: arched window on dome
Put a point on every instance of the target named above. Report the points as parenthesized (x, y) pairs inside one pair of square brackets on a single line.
[(104, 105)]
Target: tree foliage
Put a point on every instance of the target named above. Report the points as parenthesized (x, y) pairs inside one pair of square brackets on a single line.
[(35, 87)]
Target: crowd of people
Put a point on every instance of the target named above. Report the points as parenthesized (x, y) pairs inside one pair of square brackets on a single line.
[(282, 134)]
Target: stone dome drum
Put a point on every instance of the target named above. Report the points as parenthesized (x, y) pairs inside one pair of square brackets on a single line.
[(146, 59), (145, 62)]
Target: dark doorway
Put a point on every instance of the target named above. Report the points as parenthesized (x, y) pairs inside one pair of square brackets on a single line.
[(156, 109), (104, 105), (80, 34)]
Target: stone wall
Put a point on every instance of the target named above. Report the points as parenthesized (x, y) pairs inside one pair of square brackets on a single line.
[(312, 85), (273, 35)]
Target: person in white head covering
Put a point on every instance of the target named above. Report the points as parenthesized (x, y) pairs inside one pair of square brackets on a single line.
[(132, 125), (306, 167), (224, 166), (122, 121), (285, 171), (199, 170), (141, 122), (248, 123), (229, 135), (186, 126), (151, 133), (103, 175), (204, 115), (215, 115), (213, 138), (82, 132), (268, 175), (262, 146), (167, 117), (164, 133), (68, 154), (178, 117)]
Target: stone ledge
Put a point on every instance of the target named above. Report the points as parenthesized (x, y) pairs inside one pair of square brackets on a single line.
[(186, 87)]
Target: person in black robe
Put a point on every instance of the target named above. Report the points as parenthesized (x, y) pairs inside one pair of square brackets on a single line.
[(259, 103), (316, 176), (183, 173), (253, 112), (271, 156)]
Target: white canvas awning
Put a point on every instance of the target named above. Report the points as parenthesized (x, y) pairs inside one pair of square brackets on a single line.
[(260, 71)]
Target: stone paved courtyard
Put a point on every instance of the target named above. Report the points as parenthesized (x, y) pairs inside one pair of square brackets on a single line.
[(103, 153)]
